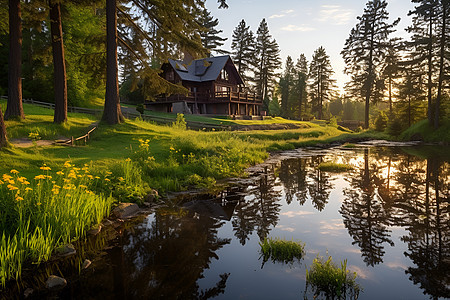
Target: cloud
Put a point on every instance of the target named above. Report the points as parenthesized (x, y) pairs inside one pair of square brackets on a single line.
[(335, 14), (291, 213), (286, 228), (283, 14), (302, 28)]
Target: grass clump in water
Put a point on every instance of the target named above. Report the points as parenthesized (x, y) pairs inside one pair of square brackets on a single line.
[(330, 280), (279, 250), (333, 167)]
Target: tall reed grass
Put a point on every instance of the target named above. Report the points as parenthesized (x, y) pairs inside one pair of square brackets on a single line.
[(325, 277), (38, 215)]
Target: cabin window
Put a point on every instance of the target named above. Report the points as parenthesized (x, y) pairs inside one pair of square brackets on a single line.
[(221, 88), (170, 75), (224, 74)]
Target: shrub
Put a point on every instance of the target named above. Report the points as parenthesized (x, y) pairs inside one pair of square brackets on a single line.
[(180, 122), (381, 122), (395, 127), (335, 282)]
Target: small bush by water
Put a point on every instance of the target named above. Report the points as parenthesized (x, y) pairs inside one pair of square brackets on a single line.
[(279, 250), (334, 167), (334, 282)]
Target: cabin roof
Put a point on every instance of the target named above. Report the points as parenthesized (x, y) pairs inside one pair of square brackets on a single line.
[(205, 69)]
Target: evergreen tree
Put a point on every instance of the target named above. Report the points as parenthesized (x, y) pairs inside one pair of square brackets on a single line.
[(59, 64), (286, 86), (266, 59), (412, 91), (242, 46), (211, 40), (301, 77), (391, 69), (423, 43), (444, 59), (322, 86), (14, 106), (364, 50)]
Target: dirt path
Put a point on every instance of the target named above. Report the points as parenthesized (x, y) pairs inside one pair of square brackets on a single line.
[(26, 143)]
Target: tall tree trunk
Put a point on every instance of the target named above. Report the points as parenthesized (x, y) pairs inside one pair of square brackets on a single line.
[(3, 138), (112, 113), (14, 107), (430, 68), (300, 103), (441, 63), (59, 65), (390, 95)]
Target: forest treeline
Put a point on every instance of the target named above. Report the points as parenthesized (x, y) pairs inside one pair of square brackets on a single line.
[(73, 52)]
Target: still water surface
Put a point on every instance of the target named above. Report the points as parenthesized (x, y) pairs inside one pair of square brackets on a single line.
[(388, 217)]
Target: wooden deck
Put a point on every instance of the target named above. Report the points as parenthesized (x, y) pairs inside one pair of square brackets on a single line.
[(217, 97)]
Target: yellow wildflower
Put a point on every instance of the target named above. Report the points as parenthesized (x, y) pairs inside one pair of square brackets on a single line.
[(12, 187), (6, 177), (18, 198), (90, 177), (107, 179), (28, 189), (96, 177), (38, 204), (121, 179), (1, 182), (82, 186), (172, 148), (128, 159), (67, 164), (14, 171), (45, 168), (38, 177), (60, 173), (26, 182)]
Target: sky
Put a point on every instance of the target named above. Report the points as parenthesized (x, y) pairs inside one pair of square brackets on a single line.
[(302, 26)]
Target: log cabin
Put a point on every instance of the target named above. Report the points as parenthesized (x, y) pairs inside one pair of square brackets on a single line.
[(215, 87)]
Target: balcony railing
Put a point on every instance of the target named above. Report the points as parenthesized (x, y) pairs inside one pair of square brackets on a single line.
[(222, 96)]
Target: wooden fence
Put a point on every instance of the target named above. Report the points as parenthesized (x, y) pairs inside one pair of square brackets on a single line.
[(98, 112)]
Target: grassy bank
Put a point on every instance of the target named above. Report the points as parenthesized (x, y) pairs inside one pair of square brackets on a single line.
[(123, 163)]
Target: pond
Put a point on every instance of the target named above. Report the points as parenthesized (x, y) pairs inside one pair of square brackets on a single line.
[(388, 217)]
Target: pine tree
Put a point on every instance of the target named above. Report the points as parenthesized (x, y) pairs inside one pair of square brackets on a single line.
[(391, 69), (322, 86), (14, 106), (301, 77), (266, 59), (444, 42), (211, 40), (364, 50), (59, 64), (242, 46), (286, 86), (423, 41)]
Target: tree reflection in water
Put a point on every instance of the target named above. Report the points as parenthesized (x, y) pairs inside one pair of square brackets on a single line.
[(165, 257), (429, 227), (364, 215), (259, 211)]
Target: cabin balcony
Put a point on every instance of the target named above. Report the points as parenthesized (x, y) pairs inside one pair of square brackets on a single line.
[(216, 97)]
